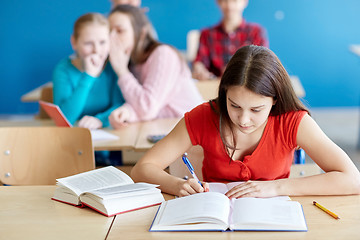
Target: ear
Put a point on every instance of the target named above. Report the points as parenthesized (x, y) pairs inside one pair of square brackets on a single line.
[(73, 42), (274, 102)]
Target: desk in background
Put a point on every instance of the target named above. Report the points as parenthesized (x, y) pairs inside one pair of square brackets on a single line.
[(127, 135)]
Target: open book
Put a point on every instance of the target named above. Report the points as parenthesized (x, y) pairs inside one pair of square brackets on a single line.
[(60, 120), (213, 211), (107, 190)]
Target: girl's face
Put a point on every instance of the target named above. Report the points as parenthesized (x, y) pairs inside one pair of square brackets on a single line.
[(120, 24), (93, 38), (247, 110)]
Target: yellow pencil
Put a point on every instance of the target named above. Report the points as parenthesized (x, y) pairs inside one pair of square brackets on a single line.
[(326, 210)]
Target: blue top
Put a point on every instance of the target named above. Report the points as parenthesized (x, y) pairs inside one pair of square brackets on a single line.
[(79, 94)]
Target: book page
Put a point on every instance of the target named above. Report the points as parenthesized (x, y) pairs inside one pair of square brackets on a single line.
[(225, 187), (95, 179), (101, 135), (125, 190), (222, 187), (267, 214), (196, 208)]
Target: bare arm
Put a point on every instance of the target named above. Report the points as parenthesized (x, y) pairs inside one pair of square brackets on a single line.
[(341, 177), (150, 168)]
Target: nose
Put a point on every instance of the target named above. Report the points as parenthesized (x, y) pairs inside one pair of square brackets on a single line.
[(244, 118), (95, 48)]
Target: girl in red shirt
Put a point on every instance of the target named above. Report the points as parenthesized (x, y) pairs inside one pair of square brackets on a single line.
[(249, 133)]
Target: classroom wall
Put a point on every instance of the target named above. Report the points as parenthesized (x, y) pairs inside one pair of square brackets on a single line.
[(311, 38)]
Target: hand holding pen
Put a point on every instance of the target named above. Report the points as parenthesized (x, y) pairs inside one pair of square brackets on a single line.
[(192, 171)]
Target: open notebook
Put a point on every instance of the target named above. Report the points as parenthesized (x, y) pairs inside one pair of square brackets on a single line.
[(60, 120)]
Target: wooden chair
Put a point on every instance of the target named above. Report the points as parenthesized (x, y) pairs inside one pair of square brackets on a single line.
[(47, 96), (40, 155)]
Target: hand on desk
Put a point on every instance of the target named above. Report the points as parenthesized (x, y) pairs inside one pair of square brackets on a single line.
[(90, 122), (119, 117), (201, 73), (253, 189)]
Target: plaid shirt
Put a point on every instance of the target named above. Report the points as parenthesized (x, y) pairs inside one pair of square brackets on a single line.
[(216, 47)]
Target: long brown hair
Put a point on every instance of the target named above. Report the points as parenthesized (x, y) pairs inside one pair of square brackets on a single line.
[(259, 70), (144, 40)]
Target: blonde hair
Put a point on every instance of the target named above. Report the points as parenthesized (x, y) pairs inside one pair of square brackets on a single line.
[(86, 19)]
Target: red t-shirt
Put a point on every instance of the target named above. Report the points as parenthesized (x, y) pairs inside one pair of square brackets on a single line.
[(270, 160)]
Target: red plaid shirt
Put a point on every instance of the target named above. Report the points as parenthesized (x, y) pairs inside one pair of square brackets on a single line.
[(216, 47)]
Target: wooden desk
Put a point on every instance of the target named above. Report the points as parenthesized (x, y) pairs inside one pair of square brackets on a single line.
[(27, 212), (135, 225), (158, 126), (35, 94)]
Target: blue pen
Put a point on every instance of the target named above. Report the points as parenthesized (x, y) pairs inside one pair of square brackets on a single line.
[(190, 167)]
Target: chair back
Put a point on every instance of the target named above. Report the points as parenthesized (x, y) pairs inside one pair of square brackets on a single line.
[(40, 155), (192, 44), (46, 96)]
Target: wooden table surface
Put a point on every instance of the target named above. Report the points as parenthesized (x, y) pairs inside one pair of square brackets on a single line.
[(27, 212), (135, 225)]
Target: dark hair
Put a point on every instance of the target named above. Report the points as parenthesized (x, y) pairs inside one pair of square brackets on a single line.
[(258, 69), (145, 42)]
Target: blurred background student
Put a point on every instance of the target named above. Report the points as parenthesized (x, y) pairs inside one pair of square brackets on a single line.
[(154, 79), (85, 85), (218, 43)]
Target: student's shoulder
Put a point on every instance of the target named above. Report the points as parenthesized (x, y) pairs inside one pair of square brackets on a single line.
[(64, 63), (163, 51), (204, 110), (290, 118), (208, 30), (254, 26)]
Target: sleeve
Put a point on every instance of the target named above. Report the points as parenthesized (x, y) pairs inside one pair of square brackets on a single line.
[(71, 99), (117, 100), (159, 78), (203, 54), (195, 121), (290, 127)]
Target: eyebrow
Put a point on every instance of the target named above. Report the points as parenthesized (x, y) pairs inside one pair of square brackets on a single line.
[(260, 106)]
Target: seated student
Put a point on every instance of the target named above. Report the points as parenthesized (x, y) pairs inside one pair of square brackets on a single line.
[(249, 133), (84, 85), (218, 43), (155, 81)]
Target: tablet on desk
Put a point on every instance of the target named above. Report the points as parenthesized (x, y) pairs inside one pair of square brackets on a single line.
[(60, 120)]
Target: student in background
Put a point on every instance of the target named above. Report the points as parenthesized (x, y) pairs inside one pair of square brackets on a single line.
[(84, 85), (154, 79), (249, 133), (218, 43)]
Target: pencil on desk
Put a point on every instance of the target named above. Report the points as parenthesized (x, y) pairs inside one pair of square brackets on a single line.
[(326, 210)]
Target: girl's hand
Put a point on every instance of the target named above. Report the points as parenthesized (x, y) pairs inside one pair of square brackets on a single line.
[(201, 73), (191, 186), (119, 117), (119, 56), (90, 122), (93, 65), (254, 189)]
